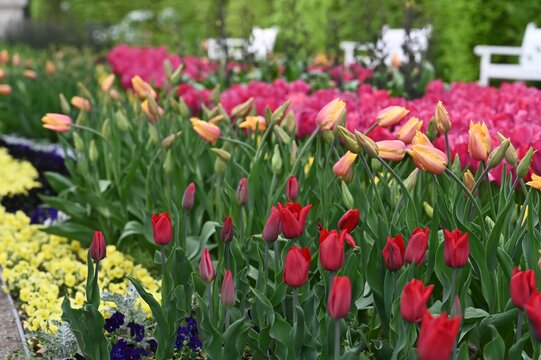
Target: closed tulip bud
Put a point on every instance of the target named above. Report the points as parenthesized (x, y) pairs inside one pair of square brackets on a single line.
[(456, 248), (30, 74), (281, 134), (349, 140), (175, 76), (523, 286), (428, 158), (272, 226), (206, 268), (183, 109), (293, 219), (437, 336), (496, 156), (242, 191), (393, 150), (276, 161), (280, 112), (429, 210), (329, 116), (208, 132), (368, 145), (469, 180), (188, 197), (413, 301), (432, 130), (511, 154), (81, 103), (443, 120), (331, 248), (297, 266), (107, 83), (347, 198), (342, 168), (289, 123), (228, 294), (533, 311), (292, 188), (349, 221), (480, 144), (153, 135), (219, 166), (4, 56), (393, 253), (328, 136), (122, 121), (162, 228), (84, 90), (407, 132), (168, 163), (417, 246), (411, 180), (340, 298), (391, 115), (5, 89), (167, 142), (93, 153), (78, 142), (64, 105), (293, 153), (222, 154), (226, 234), (98, 247), (524, 164), (57, 122), (142, 89), (16, 60), (241, 110)]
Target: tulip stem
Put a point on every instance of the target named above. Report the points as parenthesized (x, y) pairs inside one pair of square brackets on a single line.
[(489, 188), (209, 295), (448, 148), (267, 260), (372, 127), (453, 290), (227, 318), (399, 180), (227, 256), (519, 325), (336, 339), (185, 231), (261, 143), (295, 306), (331, 278), (162, 250), (372, 180), (241, 227), (478, 182), (95, 132)]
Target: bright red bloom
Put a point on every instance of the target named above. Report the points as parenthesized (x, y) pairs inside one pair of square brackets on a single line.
[(188, 197), (227, 293), (523, 286), (456, 248), (393, 252), (340, 298), (162, 228), (292, 188), (242, 191), (272, 226), (331, 248), (206, 268), (413, 300), (293, 217), (297, 266), (227, 230), (417, 246), (437, 336), (349, 220), (533, 310), (98, 247)]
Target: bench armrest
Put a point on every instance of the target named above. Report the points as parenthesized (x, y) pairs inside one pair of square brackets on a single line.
[(481, 50)]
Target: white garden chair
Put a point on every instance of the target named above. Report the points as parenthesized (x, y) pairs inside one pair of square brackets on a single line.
[(529, 54), (260, 44)]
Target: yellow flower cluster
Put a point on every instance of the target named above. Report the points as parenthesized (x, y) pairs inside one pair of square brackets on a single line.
[(18, 176), (40, 269)]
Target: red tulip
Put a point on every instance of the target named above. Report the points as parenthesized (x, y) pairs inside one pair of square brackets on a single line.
[(242, 191), (292, 188), (188, 197), (331, 248), (523, 286), (296, 266), (437, 336), (393, 253), (228, 294), (533, 310), (349, 220), (456, 248), (227, 230), (413, 300), (340, 298), (416, 249), (98, 247), (293, 217), (162, 228), (206, 269), (272, 226)]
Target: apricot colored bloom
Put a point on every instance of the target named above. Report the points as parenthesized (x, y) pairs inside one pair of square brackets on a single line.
[(5, 89), (50, 67), (343, 166), (209, 132), (393, 150), (391, 115), (107, 82), (443, 120), (420, 139), (480, 144), (81, 103), (30, 74), (141, 88), (428, 158), (410, 128), (535, 182), (330, 114), (56, 122), (253, 123), (152, 115)]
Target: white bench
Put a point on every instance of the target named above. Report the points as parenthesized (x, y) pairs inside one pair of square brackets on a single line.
[(260, 44), (529, 54), (390, 44)]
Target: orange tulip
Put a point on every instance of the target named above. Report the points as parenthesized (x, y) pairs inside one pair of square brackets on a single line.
[(480, 144), (81, 103), (56, 122), (30, 74), (330, 114), (16, 60), (428, 158), (393, 150), (391, 115), (50, 68), (142, 88), (5, 89), (343, 166), (407, 132), (443, 121), (209, 132), (153, 114), (4, 56), (536, 182), (254, 122), (420, 139), (107, 82)]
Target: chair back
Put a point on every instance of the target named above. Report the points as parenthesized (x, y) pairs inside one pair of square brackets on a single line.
[(531, 47)]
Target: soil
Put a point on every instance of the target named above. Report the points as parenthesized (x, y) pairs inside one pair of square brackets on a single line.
[(10, 342)]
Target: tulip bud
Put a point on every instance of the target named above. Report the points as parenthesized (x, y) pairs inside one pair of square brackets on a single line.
[(407, 132), (480, 143), (393, 150), (443, 121), (78, 142), (293, 153), (523, 286), (432, 130), (98, 247), (349, 221), (343, 166), (469, 180), (107, 83), (241, 110), (511, 154), (228, 294), (296, 266), (217, 119), (279, 113), (153, 133), (417, 246), (5, 89), (222, 154), (497, 155), (429, 210), (84, 90), (348, 139), (168, 163), (167, 142), (122, 121), (391, 115), (188, 197), (227, 230), (105, 129), (367, 144), (292, 188), (64, 105), (413, 301), (206, 268), (93, 153), (242, 192), (393, 253), (289, 123), (219, 166), (340, 298), (329, 116), (533, 311), (524, 164), (81, 103), (428, 158), (162, 228), (411, 180), (456, 248), (456, 309), (347, 198), (293, 219), (183, 109), (142, 89), (208, 132), (276, 161), (328, 136), (437, 336), (272, 227), (282, 135), (153, 111)]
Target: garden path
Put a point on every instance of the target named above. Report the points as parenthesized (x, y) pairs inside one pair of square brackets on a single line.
[(10, 342)]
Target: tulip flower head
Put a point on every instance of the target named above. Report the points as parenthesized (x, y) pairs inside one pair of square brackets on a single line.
[(330, 115), (417, 246), (152, 112), (293, 219), (206, 268), (107, 83), (393, 150), (533, 311), (242, 191), (98, 247), (523, 286), (81, 103), (5, 89), (480, 144), (413, 301), (437, 336), (228, 294), (340, 298), (342, 168), (535, 182), (57, 122), (393, 253), (142, 89), (425, 156), (408, 131), (272, 226), (162, 228), (292, 188), (30, 74), (349, 221), (188, 197), (208, 132), (254, 123), (297, 266), (331, 248), (456, 248), (391, 115), (226, 234), (443, 120)]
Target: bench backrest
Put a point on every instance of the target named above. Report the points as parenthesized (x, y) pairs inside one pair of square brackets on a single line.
[(262, 41), (393, 39), (531, 47)]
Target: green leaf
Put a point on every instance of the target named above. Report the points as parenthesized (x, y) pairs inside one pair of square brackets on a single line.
[(235, 339), (58, 182), (495, 349)]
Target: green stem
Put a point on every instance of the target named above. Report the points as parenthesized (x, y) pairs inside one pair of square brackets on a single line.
[(185, 231), (209, 297), (227, 256), (238, 142), (336, 339), (448, 148), (373, 181), (227, 318), (267, 260), (478, 182), (93, 131), (519, 325), (399, 180), (372, 127), (453, 290), (331, 279), (260, 146), (492, 207), (295, 300), (162, 250)]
